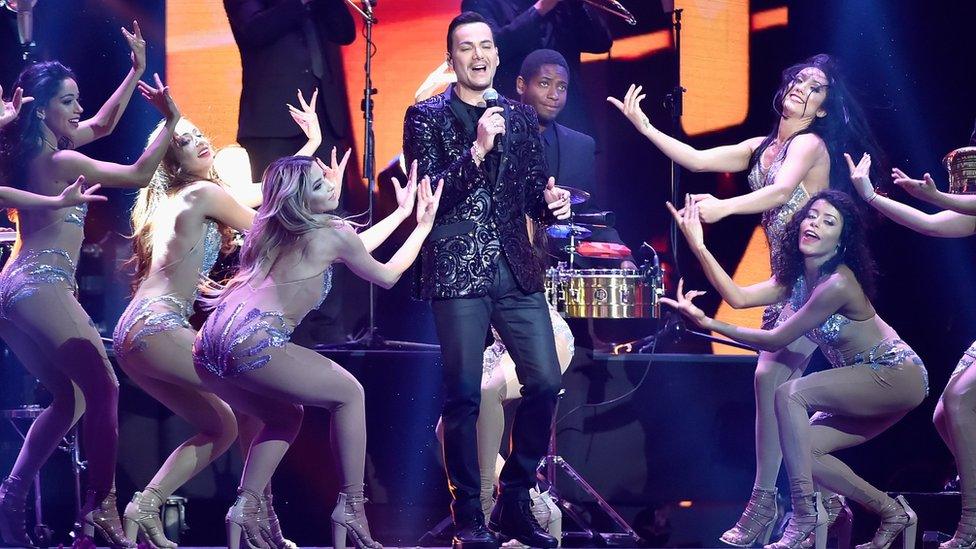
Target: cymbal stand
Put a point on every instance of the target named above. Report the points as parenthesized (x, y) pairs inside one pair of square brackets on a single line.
[(549, 464)]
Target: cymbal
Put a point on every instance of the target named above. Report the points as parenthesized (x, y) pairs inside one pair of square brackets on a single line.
[(603, 250), (563, 231), (576, 196)]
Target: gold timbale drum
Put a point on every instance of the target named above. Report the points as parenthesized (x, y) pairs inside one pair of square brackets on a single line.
[(961, 164), (603, 293)]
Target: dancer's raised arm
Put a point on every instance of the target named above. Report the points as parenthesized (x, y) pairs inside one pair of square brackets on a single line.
[(68, 164), (727, 158), (739, 297), (107, 117), (947, 223)]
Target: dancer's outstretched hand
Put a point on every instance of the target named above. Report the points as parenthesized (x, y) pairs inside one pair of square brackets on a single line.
[(137, 45), (305, 116), (76, 194), (923, 189), (631, 108), (10, 109), (427, 202), (689, 222), (684, 304), (334, 171), (160, 98), (861, 175), (710, 209), (406, 195)]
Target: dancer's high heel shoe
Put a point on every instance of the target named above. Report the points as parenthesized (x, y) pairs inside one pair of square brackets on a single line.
[(271, 527), (896, 518), (13, 512), (755, 526), (141, 520), (809, 517), (244, 521), (840, 521), (101, 512), (965, 536), (349, 517)]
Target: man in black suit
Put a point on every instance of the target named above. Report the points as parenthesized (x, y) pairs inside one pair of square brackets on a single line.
[(567, 26), (477, 267), (544, 83), (285, 46)]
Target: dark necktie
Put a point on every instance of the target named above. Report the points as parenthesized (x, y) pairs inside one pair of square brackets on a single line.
[(319, 68)]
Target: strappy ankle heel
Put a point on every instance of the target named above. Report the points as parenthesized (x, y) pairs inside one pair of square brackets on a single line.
[(349, 518), (271, 527), (840, 521), (757, 520), (809, 518), (141, 520), (245, 517), (896, 518), (965, 536), (101, 513), (13, 512)]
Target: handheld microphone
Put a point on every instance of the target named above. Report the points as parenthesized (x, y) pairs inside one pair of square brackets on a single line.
[(491, 100)]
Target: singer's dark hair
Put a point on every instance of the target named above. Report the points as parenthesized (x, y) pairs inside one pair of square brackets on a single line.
[(534, 61), (20, 140), (465, 18), (853, 249), (843, 129)]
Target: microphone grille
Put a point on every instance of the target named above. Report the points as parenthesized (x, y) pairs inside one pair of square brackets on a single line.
[(490, 95)]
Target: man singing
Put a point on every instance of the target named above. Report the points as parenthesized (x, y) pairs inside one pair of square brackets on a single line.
[(477, 267)]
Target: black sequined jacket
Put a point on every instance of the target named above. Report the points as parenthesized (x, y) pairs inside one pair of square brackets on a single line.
[(478, 220)]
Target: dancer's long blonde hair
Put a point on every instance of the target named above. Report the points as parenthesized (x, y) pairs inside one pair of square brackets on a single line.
[(283, 217), (168, 180)]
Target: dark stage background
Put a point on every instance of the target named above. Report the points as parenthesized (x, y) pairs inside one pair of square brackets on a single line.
[(685, 434)]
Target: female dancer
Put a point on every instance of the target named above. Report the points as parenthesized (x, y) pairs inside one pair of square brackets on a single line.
[(955, 414), (180, 223), (43, 322), (823, 276), (816, 120), (242, 351)]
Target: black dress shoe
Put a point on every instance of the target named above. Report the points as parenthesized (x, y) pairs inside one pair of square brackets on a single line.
[(474, 535), (512, 518)]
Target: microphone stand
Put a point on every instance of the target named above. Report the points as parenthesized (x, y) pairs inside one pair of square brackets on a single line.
[(370, 338), (675, 103)]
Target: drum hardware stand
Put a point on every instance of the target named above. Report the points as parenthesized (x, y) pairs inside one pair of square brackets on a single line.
[(71, 446), (572, 240), (550, 462)]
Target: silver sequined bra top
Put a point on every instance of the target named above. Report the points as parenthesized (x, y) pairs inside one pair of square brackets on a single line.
[(774, 221), (32, 268), (162, 313), (827, 335), (76, 215), (230, 344), (847, 342)]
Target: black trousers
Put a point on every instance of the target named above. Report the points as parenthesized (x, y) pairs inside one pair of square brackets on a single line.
[(522, 321)]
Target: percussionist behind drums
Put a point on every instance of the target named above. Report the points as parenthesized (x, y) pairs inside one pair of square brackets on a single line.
[(543, 83)]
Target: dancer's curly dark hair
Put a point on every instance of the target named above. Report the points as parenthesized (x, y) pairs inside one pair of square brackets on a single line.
[(852, 245)]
